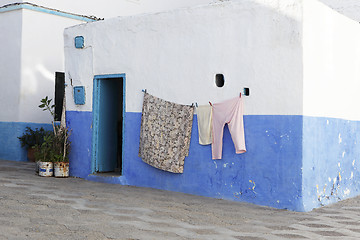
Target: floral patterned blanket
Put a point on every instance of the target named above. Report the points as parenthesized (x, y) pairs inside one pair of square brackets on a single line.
[(165, 133)]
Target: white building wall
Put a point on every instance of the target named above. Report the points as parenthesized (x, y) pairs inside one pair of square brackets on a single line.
[(42, 55), (175, 55), (113, 8), (10, 51), (349, 8), (331, 63)]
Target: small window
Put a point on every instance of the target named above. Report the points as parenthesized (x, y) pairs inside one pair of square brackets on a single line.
[(219, 80)]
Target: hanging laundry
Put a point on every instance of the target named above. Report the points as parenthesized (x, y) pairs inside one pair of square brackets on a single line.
[(230, 112), (165, 133), (204, 118)]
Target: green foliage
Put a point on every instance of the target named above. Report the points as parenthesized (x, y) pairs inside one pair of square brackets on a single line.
[(52, 149), (31, 137), (46, 106), (44, 151), (56, 144)]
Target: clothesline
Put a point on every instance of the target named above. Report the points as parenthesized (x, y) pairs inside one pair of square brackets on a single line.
[(246, 92), (161, 118)]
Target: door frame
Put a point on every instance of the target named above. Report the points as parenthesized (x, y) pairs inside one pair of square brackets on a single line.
[(95, 112)]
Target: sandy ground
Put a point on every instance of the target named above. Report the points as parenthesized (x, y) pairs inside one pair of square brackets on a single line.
[(33, 207)]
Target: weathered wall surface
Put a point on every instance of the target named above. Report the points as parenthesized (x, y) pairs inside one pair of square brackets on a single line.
[(32, 51), (240, 46), (31, 46), (175, 56), (331, 117)]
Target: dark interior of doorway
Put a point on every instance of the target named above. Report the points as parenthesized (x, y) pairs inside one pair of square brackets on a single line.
[(110, 126)]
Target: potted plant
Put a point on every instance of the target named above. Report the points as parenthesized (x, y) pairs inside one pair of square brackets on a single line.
[(61, 147), (44, 156), (30, 139), (59, 142)]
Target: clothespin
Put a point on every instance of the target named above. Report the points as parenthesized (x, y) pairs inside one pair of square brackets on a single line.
[(196, 104), (144, 90), (210, 103), (240, 94)]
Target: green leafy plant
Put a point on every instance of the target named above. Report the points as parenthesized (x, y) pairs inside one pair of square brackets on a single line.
[(47, 106), (45, 151), (31, 137), (56, 146)]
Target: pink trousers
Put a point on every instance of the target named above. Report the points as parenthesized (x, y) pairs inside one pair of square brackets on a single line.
[(230, 112)]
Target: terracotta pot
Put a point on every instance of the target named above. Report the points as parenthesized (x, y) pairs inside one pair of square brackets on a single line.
[(61, 169), (31, 154), (46, 169)]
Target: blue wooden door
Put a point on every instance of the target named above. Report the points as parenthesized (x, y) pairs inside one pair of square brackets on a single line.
[(107, 116)]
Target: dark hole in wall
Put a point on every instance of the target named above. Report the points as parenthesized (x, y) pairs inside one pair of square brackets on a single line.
[(219, 80), (59, 94)]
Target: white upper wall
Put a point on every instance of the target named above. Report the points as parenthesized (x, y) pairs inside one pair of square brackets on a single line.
[(42, 55), (349, 8), (331, 63), (10, 65), (175, 55)]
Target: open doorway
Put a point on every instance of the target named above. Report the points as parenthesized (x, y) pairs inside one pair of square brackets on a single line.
[(108, 122)]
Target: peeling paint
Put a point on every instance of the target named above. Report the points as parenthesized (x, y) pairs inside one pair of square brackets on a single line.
[(327, 122), (347, 191), (225, 165), (215, 164), (343, 154), (253, 187), (352, 175), (323, 197), (353, 163), (237, 194), (340, 140)]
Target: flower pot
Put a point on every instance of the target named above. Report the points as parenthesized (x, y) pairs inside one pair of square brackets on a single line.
[(31, 154), (61, 169), (46, 169)]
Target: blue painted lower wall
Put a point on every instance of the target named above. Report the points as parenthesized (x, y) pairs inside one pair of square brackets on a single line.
[(10, 148), (80, 125), (269, 173), (331, 160)]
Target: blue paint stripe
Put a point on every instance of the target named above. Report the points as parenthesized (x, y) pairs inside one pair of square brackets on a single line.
[(29, 6), (10, 148), (331, 160), (273, 162)]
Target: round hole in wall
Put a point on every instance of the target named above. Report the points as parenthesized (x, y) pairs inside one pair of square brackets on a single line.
[(219, 80)]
